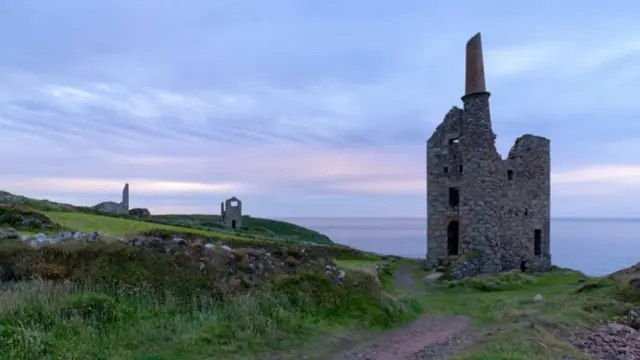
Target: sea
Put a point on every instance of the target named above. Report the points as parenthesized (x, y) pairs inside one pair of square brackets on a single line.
[(594, 246)]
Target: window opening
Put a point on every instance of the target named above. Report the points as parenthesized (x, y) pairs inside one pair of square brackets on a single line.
[(510, 174), (537, 242), (453, 238), (454, 197), (445, 169)]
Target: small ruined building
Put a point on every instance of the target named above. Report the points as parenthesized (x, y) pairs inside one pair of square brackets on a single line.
[(485, 214), (231, 212), (115, 208)]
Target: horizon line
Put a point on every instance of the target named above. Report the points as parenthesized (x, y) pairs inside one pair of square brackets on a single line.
[(424, 218)]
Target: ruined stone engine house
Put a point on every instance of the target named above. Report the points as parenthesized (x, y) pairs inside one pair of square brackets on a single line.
[(485, 214)]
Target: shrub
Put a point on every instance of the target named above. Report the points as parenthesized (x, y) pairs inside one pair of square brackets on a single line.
[(22, 218)]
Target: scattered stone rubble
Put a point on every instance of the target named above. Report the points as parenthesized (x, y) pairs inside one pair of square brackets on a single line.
[(42, 239), (237, 267), (615, 341), (610, 342)]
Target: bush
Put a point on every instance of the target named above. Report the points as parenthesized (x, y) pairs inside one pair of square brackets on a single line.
[(23, 218)]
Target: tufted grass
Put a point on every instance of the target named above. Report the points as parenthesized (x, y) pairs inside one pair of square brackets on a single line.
[(520, 327), (358, 264), (39, 320), (120, 302)]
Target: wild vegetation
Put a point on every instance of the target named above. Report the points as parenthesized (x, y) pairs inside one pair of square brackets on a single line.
[(531, 316), (116, 300)]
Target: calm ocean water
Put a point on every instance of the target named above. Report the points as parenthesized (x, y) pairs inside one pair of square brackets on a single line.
[(595, 247)]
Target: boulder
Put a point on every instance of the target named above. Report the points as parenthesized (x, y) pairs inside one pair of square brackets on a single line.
[(21, 218), (9, 233), (140, 212), (111, 208)]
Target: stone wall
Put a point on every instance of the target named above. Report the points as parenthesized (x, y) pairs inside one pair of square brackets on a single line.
[(501, 202)]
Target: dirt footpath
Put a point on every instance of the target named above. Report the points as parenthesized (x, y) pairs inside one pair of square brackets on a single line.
[(417, 340), (427, 338)]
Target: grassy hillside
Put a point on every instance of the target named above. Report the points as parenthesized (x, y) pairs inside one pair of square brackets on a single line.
[(163, 300), (529, 316), (250, 226), (82, 218), (118, 301)]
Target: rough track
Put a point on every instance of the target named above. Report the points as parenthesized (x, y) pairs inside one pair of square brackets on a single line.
[(426, 338)]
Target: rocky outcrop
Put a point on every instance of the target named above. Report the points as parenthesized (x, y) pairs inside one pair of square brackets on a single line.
[(140, 213), (17, 217), (235, 268), (611, 341), (111, 208)]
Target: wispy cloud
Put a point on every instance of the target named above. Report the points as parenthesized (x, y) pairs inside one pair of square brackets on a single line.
[(303, 108)]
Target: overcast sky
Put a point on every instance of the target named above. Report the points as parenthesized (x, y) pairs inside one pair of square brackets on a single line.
[(307, 108)]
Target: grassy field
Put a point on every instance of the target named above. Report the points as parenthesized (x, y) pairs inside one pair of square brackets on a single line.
[(115, 226), (158, 309), (116, 301), (522, 327), (170, 317), (251, 226)]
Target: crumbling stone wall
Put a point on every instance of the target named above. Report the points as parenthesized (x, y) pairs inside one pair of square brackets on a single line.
[(231, 212), (485, 214), (526, 198)]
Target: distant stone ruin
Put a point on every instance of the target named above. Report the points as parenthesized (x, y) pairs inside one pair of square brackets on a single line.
[(231, 212), (115, 208), (485, 214)]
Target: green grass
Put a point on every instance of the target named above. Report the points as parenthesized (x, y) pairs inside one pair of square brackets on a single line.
[(39, 320), (115, 226), (358, 264), (521, 327), (251, 226)]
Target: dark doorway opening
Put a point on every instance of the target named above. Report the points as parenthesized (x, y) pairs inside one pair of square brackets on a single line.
[(510, 174), (454, 197), (537, 242), (233, 224), (453, 238), (523, 266)]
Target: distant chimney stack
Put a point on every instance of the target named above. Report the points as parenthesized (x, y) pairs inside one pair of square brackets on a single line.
[(125, 197)]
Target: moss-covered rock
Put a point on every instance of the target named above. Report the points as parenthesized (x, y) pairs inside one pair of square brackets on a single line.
[(140, 213), (23, 218)]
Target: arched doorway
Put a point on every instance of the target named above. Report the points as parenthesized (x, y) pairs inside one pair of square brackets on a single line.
[(453, 238), (233, 224)]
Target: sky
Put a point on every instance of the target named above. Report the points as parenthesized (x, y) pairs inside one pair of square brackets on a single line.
[(305, 108)]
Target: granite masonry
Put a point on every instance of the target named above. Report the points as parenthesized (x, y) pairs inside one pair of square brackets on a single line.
[(485, 214), (231, 212)]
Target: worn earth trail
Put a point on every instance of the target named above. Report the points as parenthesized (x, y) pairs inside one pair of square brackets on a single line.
[(428, 337)]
